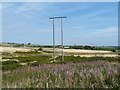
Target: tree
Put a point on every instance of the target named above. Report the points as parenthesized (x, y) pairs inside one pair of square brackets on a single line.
[(29, 43), (88, 47)]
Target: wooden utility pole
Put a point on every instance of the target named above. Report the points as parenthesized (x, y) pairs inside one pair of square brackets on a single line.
[(53, 18)]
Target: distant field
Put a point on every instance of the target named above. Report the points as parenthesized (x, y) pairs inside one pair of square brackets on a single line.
[(14, 49), (13, 57), (84, 53)]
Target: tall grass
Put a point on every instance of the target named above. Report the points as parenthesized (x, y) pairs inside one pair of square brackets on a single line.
[(95, 74)]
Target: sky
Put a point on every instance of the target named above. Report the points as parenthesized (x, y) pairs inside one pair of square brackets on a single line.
[(87, 23)]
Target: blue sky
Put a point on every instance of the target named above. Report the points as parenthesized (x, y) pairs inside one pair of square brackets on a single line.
[(87, 23)]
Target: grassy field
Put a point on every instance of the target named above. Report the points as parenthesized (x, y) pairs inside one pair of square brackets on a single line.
[(35, 69), (95, 74)]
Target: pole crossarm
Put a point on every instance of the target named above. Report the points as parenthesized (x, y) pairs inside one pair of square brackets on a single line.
[(57, 17)]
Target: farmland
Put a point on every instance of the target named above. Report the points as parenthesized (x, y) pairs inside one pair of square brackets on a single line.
[(33, 67), (60, 44)]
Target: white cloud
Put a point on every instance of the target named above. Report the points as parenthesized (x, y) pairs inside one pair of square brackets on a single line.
[(102, 33), (96, 13), (73, 9), (29, 7), (107, 36), (23, 7), (101, 18)]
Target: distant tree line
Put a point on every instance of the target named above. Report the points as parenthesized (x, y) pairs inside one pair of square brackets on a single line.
[(86, 47)]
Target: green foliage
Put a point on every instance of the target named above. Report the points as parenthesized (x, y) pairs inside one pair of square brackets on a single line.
[(76, 47), (81, 59), (40, 49), (86, 47), (10, 65), (113, 50), (46, 60)]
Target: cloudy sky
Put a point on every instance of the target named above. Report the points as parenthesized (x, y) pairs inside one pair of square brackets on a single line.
[(86, 23)]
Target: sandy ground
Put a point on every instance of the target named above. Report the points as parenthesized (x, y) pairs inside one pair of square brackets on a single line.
[(78, 51), (82, 53), (13, 49)]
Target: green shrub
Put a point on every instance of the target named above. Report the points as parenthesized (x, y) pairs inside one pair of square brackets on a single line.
[(113, 50), (81, 59), (10, 65), (40, 49)]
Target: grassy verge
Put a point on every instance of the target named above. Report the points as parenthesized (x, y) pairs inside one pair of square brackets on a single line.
[(82, 59), (12, 64)]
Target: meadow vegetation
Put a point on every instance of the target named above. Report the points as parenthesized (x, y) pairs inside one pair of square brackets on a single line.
[(96, 74), (35, 69)]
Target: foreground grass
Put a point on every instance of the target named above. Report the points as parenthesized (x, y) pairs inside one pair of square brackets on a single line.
[(77, 72), (100, 74)]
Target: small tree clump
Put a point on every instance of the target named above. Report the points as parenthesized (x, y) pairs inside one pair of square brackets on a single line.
[(40, 49)]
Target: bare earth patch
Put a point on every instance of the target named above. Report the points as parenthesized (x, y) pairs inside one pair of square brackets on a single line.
[(14, 49)]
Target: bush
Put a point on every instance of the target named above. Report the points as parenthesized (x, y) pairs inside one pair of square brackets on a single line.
[(40, 49), (10, 65), (113, 50), (88, 47)]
